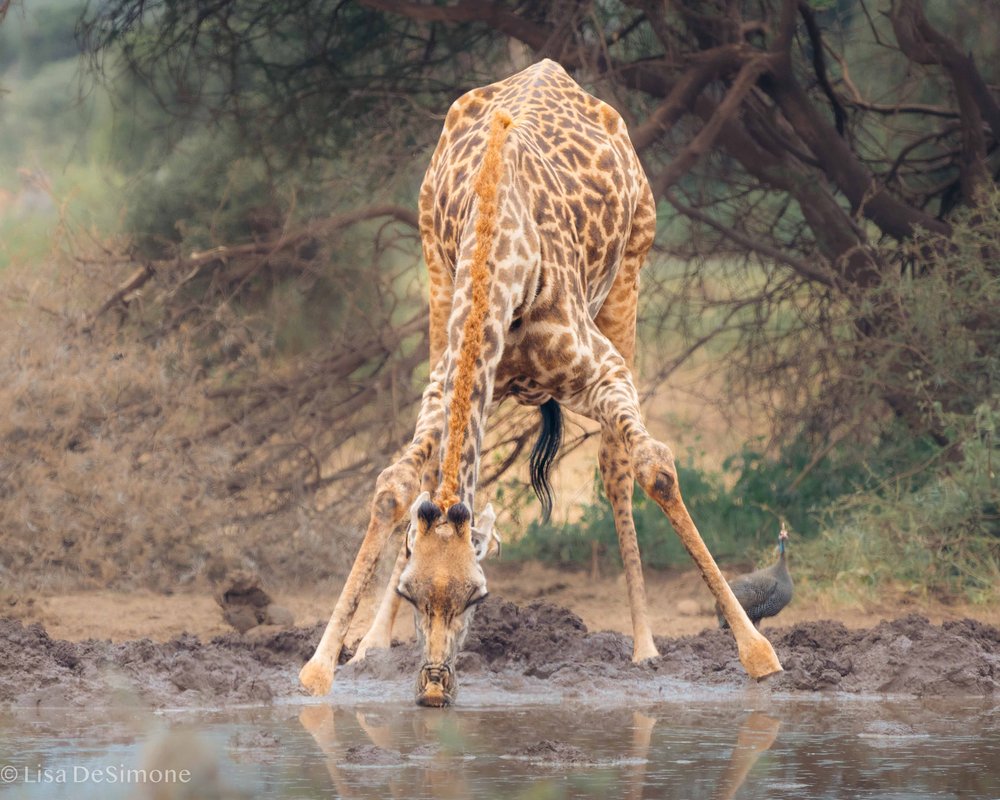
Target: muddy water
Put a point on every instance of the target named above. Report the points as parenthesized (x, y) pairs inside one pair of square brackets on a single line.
[(546, 709), (745, 744)]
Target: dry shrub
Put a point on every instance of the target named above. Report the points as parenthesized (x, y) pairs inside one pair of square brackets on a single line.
[(165, 422), (118, 468)]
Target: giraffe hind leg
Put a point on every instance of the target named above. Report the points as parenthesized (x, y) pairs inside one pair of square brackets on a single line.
[(618, 482)]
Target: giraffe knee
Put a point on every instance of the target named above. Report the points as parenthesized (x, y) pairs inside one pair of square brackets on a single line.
[(655, 471), (395, 488)]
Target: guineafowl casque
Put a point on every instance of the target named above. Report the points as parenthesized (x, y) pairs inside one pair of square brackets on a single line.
[(765, 592)]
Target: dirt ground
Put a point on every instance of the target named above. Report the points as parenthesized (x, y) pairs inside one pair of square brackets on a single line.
[(679, 605), (512, 648), (563, 629)]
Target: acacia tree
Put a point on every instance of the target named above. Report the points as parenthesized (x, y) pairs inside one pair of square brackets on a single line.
[(793, 144)]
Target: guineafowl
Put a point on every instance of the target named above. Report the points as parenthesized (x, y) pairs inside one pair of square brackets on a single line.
[(765, 592)]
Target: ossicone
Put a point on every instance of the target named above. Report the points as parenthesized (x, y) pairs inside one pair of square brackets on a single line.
[(459, 515), (428, 513)]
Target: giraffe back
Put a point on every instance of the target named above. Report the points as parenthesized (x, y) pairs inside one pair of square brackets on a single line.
[(570, 162)]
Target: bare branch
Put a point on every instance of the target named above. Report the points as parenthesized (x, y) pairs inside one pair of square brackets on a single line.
[(923, 44), (708, 67), (819, 65), (496, 16), (705, 139), (806, 270)]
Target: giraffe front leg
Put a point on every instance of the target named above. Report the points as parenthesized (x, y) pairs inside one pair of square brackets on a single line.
[(655, 471), (379, 635), (395, 490), (616, 473), (613, 400)]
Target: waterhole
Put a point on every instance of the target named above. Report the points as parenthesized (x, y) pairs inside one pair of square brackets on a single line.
[(747, 744)]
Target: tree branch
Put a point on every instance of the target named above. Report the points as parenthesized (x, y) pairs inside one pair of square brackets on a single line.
[(709, 66), (703, 141), (819, 65), (923, 44), (492, 13), (806, 270), (842, 166)]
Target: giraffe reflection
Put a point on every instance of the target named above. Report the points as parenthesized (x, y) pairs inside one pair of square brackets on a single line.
[(460, 755), (757, 733)]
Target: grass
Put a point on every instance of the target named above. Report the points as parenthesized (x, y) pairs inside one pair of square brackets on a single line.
[(857, 528)]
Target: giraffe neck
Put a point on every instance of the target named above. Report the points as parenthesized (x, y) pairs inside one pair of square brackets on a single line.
[(466, 411)]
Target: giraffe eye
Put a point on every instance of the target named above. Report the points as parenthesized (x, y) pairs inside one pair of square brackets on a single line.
[(476, 600), (406, 597)]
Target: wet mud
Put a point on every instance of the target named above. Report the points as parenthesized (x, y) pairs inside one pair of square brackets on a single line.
[(551, 751), (508, 647)]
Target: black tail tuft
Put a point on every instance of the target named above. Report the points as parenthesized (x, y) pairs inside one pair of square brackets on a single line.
[(544, 453)]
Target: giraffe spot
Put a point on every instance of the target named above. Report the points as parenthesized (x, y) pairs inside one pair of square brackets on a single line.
[(609, 218), (664, 486), (609, 118), (606, 161), (550, 184), (491, 343), (501, 250)]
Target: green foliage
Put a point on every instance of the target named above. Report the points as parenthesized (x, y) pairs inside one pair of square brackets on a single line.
[(203, 194), (940, 536), (737, 511), (943, 344), (933, 524), (39, 34)]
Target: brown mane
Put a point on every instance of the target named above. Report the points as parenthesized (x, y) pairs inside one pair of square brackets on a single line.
[(487, 182)]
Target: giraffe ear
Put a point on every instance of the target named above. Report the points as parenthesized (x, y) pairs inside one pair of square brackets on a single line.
[(420, 519), (484, 534)]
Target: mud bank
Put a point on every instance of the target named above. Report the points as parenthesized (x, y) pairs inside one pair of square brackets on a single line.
[(539, 641)]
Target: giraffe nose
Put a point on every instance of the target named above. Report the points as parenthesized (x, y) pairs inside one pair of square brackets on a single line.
[(435, 685)]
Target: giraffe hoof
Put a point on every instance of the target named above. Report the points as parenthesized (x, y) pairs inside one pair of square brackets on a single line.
[(758, 657), (644, 652), (363, 648), (316, 678)]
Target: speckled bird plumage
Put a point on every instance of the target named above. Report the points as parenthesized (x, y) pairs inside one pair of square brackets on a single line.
[(765, 592)]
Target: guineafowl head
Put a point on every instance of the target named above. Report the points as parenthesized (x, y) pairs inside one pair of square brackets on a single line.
[(782, 538)]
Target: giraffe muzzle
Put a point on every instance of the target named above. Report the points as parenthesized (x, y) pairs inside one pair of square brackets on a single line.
[(435, 685)]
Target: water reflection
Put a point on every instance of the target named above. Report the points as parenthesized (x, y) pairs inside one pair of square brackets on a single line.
[(450, 762), (746, 746), (757, 734)]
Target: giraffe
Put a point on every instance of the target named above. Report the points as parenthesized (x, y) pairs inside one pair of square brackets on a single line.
[(535, 218)]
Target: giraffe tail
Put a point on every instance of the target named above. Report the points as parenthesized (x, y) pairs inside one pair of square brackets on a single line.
[(544, 453), (486, 188)]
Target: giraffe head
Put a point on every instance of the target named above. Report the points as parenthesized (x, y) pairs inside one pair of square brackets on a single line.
[(444, 583)]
